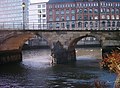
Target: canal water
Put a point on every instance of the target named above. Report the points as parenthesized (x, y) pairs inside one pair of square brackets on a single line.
[(36, 71)]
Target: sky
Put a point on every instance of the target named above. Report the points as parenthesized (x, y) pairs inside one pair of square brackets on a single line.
[(35, 1)]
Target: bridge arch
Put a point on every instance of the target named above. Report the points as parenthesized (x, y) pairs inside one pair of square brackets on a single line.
[(75, 40), (33, 35), (73, 43)]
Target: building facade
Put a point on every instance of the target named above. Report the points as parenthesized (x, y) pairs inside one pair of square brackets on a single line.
[(11, 14), (83, 14), (37, 16)]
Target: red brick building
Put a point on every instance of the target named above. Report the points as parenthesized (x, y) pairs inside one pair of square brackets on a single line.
[(83, 14)]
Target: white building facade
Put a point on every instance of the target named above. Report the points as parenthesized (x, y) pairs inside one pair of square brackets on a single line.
[(11, 14), (37, 16)]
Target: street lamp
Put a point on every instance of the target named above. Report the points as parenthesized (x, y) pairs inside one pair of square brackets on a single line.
[(40, 19), (23, 7)]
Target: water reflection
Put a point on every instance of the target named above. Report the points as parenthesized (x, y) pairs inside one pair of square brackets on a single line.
[(35, 71)]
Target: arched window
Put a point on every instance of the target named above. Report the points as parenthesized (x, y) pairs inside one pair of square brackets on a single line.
[(85, 24), (118, 24), (85, 11), (91, 24), (90, 11), (96, 11), (112, 11), (113, 24), (79, 24), (108, 24), (117, 11)]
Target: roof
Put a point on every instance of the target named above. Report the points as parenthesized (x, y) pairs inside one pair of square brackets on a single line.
[(62, 1)]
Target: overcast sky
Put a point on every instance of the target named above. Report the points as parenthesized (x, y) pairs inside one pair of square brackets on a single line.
[(34, 1)]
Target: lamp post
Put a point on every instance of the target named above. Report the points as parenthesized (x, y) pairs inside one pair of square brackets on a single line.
[(23, 7), (40, 19)]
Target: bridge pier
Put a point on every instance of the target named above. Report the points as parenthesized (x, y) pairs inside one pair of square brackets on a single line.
[(10, 56), (61, 55)]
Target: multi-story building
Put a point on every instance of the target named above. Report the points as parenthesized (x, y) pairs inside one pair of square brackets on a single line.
[(83, 14), (12, 14), (37, 16)]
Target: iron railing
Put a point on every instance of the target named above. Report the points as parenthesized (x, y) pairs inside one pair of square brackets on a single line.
[(38, 26)]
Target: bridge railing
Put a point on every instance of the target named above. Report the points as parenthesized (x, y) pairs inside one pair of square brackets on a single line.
[(46, 26)]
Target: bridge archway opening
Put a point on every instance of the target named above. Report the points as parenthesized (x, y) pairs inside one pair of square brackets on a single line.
[(36, 42), (87, 47), (36, 52)]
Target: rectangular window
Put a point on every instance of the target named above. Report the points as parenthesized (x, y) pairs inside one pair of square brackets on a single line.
[(39, 6)]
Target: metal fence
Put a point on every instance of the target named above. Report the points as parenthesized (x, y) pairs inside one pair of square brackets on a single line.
[(46, 26)]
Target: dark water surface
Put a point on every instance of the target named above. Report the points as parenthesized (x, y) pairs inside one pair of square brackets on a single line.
[(35, 71)]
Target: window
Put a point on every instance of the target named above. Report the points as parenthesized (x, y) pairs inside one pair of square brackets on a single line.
[(90, 11), (43, 15), (57, 19), (68, 25), (43, 10), (39, 6), (50, 13), (103, 24), (85, 11), (62, 18), (112, 11), (113, 17), (96, 17), (79, 24), (57, 12), (62, 11), (118, 24), (113, 24), (73, 17), (62, 25), (73, 24), (50, 25), (43, 6), (91, 17), (96, 11), (108, 17), (103, 16), (117, 11), (50, 19), (73, 12), (67, 11), (79, 17), (86, 24), (108, 24), (80, 11), (108, 10), (67, 18), (96, 24), (85, 17), (91, 24), (117, 17), (57, 25)]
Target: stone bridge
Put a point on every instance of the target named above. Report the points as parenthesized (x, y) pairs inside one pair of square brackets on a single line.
[(62, 43)]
